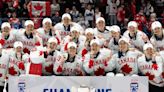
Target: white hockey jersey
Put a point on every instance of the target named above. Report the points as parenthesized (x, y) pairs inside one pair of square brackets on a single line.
[(68, 66), (9, 41), (46, 36), (86, 48), (66, 31), (30, 42), (158, 43), (103, 36), (138, 41), (17, 63), (100, 64), (162, 55), (113, 45), (48, 64), (126, 63), (80, 43), (4, 60), (152, 68)]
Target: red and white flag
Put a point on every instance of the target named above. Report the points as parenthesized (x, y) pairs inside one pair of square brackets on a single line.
[(16, 3), (40, 8)]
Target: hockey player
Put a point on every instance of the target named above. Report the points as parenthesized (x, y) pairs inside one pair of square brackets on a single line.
[(102, 31), (89, 34), (74, 36), (162, 55), (96, 62), (113, 42), (50, 56), (4, 58), (7, 37), (137, 37), (151, 64), (69, 63), (126, 59), (17, 60), (158, 36), (65, 25), (28, 37), (48, 31)]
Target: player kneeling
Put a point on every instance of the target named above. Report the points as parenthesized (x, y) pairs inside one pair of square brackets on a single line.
[(126, 59), (150, 64), (96, 62), (17, 60), (69, 64), (50, 55)]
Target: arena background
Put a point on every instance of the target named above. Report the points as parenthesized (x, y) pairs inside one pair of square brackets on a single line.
[(20, 10)]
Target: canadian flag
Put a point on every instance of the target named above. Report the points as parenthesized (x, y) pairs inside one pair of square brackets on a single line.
[(41, 8), (16, 3)]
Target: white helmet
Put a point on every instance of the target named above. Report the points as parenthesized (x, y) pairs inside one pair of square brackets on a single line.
[(5, 24), (156, 24), (132, 23)]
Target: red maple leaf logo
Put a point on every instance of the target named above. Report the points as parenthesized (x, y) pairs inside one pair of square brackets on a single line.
[(59, 69), (12, 71), (155, 66), (38, 7), (126, 69), (37, 43), (25, 50), (99, 71), (49, 68), (21, 66), (2, 41), (84, 51), (91, 63), (151, 76)]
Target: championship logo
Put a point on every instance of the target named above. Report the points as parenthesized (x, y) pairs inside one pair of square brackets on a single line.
[(134, 87), (21, 87)]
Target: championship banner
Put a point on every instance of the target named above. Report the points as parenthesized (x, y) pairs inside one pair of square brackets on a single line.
[(39, 8), (78, 84)]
